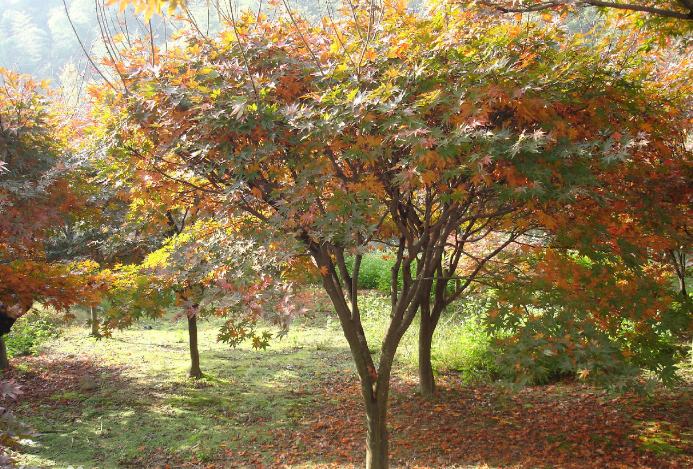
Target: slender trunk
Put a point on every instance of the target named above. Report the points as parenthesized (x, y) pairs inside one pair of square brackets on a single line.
[(427, 383), (678, 259), (195, 371), (375, 382), (4, 362), (430, 315), (682, 285), (94, 315), (377, 445)]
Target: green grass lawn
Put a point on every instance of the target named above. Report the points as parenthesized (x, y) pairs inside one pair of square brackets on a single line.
[(297, 405)]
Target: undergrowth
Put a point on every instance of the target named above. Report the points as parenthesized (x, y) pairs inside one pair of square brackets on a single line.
[(461, 342), (30, 332)]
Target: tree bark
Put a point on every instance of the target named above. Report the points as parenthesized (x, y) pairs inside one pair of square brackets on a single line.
[(375, 381), (195, 371), (427, 382), (94, 319), (429, 322), (4, 362), (678, 259), (377, 443)]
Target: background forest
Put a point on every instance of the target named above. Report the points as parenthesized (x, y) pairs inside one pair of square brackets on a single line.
[(36, 36)]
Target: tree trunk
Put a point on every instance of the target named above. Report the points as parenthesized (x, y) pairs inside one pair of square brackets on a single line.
[(195, 371), (682, 285), (375, 382), (377, 445), (94, 319), (4, 362), (678, 259), (427, 382), (430, 315)]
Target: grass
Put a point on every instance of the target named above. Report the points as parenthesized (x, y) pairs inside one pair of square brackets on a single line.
[(297, 405), (460, 342), (145, 399)]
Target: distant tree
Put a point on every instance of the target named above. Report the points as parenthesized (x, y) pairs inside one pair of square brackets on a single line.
[(26, 41)]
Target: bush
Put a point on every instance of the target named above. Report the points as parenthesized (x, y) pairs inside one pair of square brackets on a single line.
[(376, 272), (461, 342), (28, 333)]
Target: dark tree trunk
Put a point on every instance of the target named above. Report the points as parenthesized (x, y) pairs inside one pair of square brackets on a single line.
[(427, 382), (94, 320), (678, 259), (374, 382), (429, 322), (4, 362), (682, 283), (405, 302), (6, 320), (430, 315), (195, 371)]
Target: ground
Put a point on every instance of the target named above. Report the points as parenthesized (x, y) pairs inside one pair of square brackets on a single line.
[(297, 405)]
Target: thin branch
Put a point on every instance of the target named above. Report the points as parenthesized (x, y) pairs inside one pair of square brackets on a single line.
[(646, 9), (597, 3), (85, 52), (245, 56), (106, 38), (371, 20), (151, 42), (330, 14), (479, 267), (300, 33), (356, 19)]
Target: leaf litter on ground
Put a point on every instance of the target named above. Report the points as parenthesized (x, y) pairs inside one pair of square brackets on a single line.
[(298, 406)]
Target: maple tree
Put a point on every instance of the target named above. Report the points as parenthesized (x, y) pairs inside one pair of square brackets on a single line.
[(599, 298), (640, 205), (35, 192), (380, 128), (194, 271), (181, 262)]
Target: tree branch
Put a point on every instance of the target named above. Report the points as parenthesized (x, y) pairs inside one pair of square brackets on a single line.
[(81, 44), (598, 3)]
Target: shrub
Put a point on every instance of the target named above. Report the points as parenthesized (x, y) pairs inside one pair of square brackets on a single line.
[(461, 342), (376, 272), (28, 333)]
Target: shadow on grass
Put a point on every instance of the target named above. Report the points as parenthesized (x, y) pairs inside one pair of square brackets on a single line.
[(137, 420), (298, 406)]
